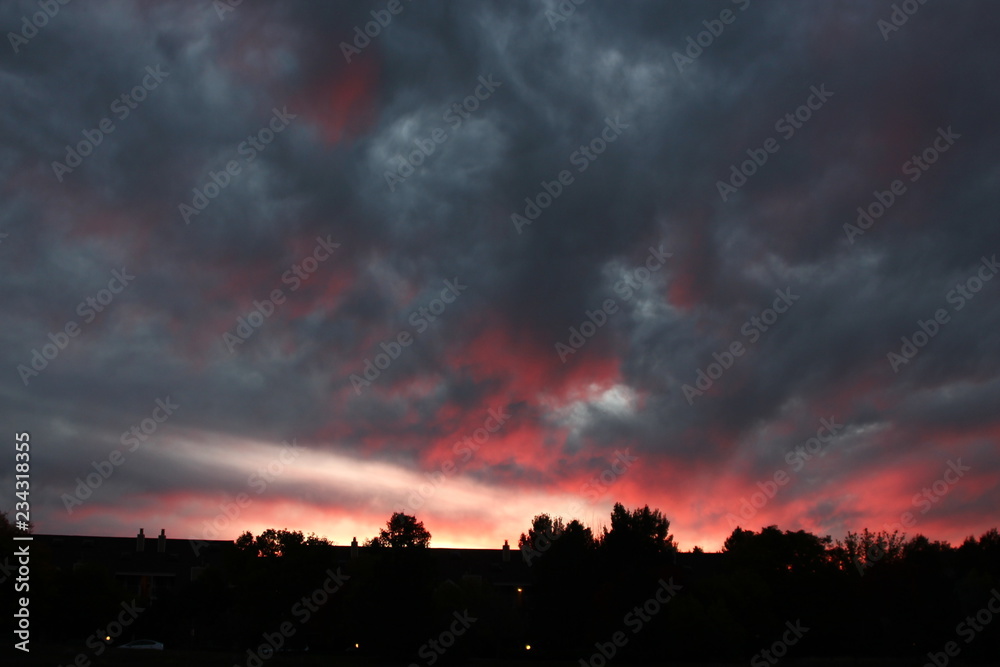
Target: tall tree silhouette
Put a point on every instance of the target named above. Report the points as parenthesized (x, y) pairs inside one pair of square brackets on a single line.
[(642, 530), (634, 554), (401, 531), (543, 532)]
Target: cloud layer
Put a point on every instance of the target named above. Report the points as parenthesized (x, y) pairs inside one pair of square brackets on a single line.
[(473, 260)]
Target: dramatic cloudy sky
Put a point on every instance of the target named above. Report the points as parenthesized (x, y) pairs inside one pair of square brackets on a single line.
[(328, 193)]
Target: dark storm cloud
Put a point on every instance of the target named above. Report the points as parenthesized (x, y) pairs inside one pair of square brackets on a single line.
[(558, 86)]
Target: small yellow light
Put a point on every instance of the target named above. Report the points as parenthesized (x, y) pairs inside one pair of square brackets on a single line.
[(527, 647), (518, 590), (355, 645)]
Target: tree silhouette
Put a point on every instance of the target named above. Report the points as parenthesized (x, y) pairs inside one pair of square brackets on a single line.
[(272, 543), (875, 594), (401, 531), (772, 550), (575, 538), (8, 530), (642, 529), (543, 532), (867, 549)]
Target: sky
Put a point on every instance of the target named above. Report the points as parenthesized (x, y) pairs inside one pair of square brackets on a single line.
[(303, 265)]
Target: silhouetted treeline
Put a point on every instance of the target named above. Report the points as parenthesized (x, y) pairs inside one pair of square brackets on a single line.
[(562, 590)]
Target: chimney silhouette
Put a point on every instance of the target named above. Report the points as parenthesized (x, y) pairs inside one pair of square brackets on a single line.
[(354, 548), (506, 552), (161, 541), (140, 541)]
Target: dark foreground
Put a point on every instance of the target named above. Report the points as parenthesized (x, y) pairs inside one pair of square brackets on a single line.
[(65, 657)]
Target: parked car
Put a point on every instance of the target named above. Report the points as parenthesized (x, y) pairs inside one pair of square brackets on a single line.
[(146, 644)]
